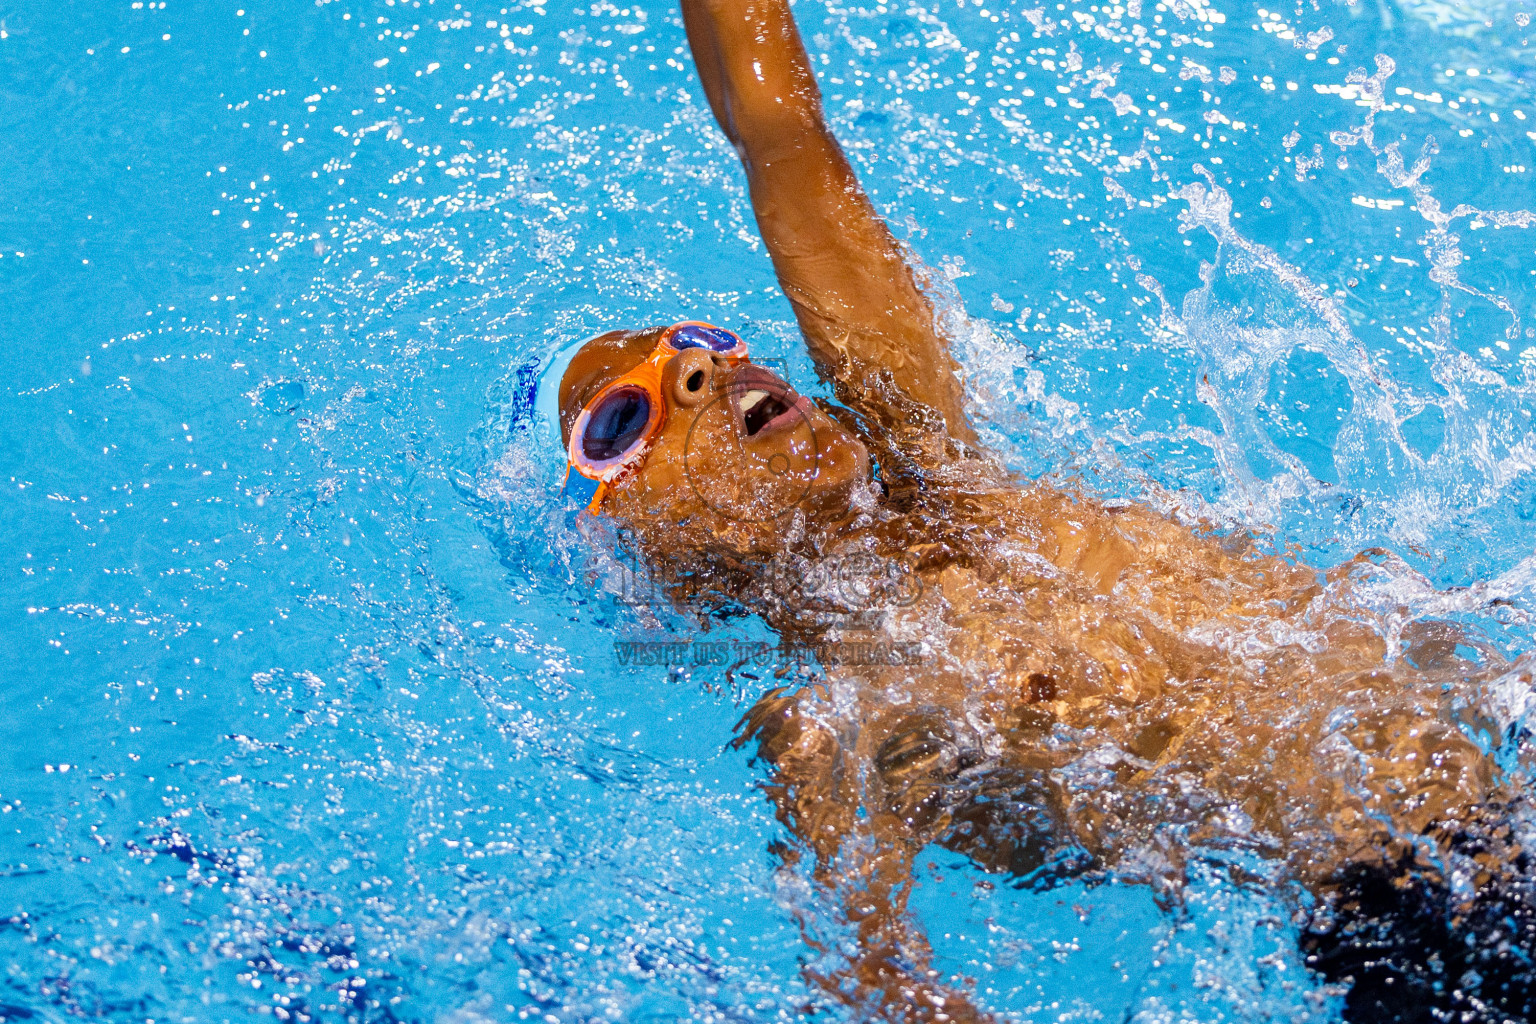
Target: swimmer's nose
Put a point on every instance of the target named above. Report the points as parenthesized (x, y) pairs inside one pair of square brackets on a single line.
[(691, 376)]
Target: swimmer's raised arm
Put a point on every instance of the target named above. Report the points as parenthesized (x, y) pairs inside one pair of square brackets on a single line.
[(864, 317)]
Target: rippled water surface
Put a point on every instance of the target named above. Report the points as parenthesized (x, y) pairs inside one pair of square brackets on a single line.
[(312, 706)]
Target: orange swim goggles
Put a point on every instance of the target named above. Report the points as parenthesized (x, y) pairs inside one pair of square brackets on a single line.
[(617, 427)]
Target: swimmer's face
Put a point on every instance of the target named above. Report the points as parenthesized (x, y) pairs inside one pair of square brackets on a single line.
[(740, 449)]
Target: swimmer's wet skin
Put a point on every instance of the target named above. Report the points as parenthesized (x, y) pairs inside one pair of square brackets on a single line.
[(1231, 700)]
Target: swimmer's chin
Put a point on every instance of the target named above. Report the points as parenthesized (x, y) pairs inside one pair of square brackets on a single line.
[(844, 488)]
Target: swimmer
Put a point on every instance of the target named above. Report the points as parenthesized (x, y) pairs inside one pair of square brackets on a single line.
[(1063, 685)]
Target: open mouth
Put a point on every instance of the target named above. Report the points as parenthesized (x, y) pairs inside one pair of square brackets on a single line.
[(759, 409)]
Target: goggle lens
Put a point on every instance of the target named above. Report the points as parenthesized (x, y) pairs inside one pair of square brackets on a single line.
[(716, 339), (616, 425)]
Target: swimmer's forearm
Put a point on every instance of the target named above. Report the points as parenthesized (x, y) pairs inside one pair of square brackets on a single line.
[(755, 73)]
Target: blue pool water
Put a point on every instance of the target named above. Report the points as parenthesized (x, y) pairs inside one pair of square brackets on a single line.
[(311, 699)]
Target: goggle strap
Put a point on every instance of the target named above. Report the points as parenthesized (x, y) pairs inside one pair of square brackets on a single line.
[(575, 487)]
